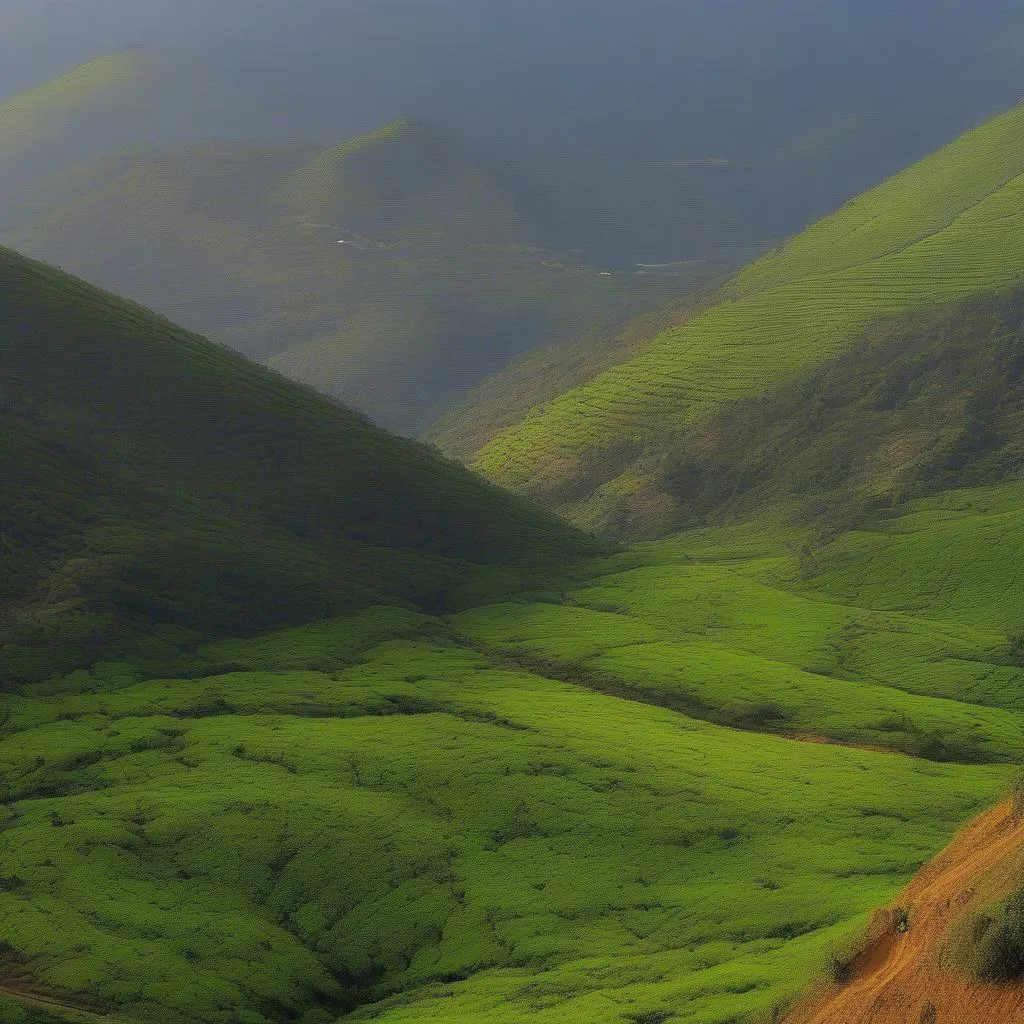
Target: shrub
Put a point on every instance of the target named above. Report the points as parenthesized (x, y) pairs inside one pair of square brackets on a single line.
[(992, 943), (651, 1017)]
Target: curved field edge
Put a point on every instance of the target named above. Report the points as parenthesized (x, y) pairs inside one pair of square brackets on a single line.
[(329, 823)]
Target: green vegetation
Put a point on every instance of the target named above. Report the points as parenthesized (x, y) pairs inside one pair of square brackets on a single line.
[(940, 231), (429, 836), (902, 636), (159, 489), (39, 115), (302, 723), (990, 942), (503, 399), (918, 405)]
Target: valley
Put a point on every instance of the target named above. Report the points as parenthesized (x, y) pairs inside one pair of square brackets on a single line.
[(675, 677)]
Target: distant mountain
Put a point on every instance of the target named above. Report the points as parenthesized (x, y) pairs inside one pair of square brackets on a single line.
[(393, 271), (646, 131), (38, 124), (940, 231), (159, 490)]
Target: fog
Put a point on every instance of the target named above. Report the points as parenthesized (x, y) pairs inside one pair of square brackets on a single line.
[(644, 78), (828, 95)]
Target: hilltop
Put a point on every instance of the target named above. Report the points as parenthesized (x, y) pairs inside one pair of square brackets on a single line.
[(31, 119), (393, 271), (939, 231), (161, 490)]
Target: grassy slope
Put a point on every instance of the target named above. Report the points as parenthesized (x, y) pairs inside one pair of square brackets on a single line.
[(159, 489), (30, 118), (320, 824), (562, 808), (916, 405), (944, 229), (438, 288), (502, 400)]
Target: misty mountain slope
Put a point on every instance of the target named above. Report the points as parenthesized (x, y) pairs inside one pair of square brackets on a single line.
[(403, 177), (40, 123), (159, 489), (944, 229), (769, 114), (392, 271)]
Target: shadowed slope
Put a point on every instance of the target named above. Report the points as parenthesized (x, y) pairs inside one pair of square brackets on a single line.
[(157, 486)]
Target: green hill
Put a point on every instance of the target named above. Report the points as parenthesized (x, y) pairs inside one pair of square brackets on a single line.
[(917, 405), (393, 271), (31, 119), (159, 489), (942, 230), (302, 723), (405, 182)]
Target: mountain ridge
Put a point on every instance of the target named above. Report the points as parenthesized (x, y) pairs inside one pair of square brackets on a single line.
[(783, 313), (149, 522)]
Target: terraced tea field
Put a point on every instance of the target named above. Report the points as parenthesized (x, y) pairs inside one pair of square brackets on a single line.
[(942, 230)]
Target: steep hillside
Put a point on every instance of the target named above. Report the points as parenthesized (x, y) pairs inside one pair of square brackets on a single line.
[(504, 399), (159, 489), (393, 271), (906, 968), (918, 404), (942, 230)]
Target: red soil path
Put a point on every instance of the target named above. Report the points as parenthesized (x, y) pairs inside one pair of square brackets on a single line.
[(899, 974)]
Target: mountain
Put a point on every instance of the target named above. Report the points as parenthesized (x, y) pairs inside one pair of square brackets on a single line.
[(731, 118), (393, 271), (302, 723), (160, 490), (36, 124), (937, 232)]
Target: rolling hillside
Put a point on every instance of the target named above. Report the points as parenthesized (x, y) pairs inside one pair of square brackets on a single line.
[(159, 490), (942, 230), (301, 722), (393, 271), (567, 808)]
